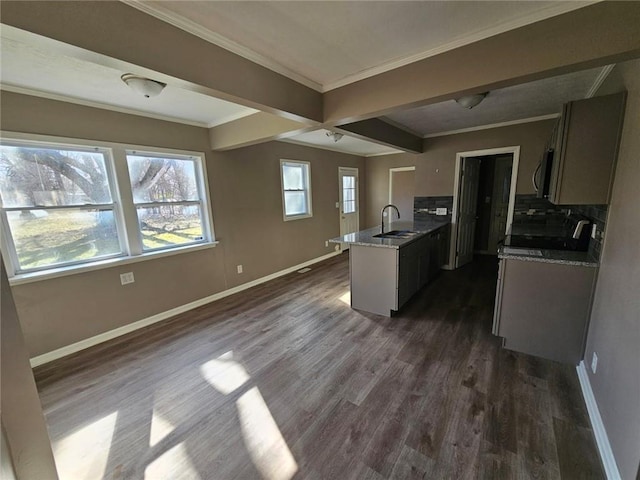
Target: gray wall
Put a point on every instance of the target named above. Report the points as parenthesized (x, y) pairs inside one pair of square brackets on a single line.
[(247, 214), (614, 332), (23, 425), (435, 168)]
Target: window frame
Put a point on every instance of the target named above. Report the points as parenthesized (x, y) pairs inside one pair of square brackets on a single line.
[(307, 189), (353, 173), (123, 207), (205, 217)]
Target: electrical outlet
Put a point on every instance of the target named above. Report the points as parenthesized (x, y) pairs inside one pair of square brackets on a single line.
[(239, 267), (441, 211), (594, 362), (126, 278), (594, 231), (326, 243), (337, 204)]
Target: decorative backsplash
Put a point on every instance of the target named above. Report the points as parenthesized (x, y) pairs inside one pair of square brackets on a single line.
[(428, 205), (531, 210)]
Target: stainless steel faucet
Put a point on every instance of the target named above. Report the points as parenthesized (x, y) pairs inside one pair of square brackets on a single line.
[(578, 231), (382, 216)]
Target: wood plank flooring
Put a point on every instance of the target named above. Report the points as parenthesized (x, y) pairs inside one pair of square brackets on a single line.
[(286, 381)]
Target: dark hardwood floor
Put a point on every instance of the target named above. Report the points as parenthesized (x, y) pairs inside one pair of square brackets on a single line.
[(286, 381)]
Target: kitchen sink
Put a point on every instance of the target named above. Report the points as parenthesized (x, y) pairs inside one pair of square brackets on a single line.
[(397, 234)]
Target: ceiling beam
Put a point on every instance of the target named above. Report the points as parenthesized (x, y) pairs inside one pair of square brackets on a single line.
[(125, 34), (596, 35), (257, 128), (381, 132)]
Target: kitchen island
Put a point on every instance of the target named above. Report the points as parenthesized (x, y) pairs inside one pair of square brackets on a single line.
[(385, 272)]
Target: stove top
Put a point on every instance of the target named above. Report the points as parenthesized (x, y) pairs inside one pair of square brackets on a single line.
[(546, 242)]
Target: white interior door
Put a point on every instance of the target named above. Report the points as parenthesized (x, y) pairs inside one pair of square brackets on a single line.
[(349, 204), (468, 199)]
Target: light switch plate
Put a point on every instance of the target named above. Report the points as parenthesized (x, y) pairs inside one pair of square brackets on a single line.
[(594, 362)]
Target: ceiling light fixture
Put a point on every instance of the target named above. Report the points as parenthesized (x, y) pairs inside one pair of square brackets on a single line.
[(144, 86), (470, 101), (335, 136)]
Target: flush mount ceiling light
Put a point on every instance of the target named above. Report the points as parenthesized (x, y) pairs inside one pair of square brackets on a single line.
[(144, 86), (470, 101), (335, 136)]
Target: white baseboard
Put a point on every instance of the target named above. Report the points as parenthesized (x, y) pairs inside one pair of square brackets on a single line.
[(604, 447), (131, 327)]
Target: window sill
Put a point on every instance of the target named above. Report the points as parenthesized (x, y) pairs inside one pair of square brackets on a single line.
[(297, 217), (24, 278)]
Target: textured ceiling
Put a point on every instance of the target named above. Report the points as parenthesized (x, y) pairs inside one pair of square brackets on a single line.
[(527, 100), (45, 71)]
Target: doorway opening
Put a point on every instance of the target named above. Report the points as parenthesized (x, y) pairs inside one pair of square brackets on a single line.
[(483, 202), (402, 186), (348, 194)]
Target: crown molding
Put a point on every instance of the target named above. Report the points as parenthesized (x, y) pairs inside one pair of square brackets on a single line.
[(333, 149), (384, 154), (101, 106), (156, 10), (494, 125), (597, 83)]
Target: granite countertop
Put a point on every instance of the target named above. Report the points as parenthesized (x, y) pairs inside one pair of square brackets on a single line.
[(563, 257), (366, 237)]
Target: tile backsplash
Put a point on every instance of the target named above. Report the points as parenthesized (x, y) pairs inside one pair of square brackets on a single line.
[(531, 210), (428, 205)]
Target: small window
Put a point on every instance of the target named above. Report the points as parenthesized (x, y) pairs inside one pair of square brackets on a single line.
[(296, 189), (57, 205), (348, 193), (168, 201)]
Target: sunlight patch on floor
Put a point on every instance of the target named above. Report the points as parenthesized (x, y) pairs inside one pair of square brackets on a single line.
[(160, 428), (166, 466), (224, 373), (266, 445), (83, 454), (346, 298)]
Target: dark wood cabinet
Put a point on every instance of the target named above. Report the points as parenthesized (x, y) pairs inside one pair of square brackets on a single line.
[(586, 149)]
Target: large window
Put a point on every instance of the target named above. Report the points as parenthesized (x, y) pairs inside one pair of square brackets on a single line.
[(61, 205), (296, 189)]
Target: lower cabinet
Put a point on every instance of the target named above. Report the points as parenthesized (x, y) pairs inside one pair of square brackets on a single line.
[(384, 279), (543, 308)]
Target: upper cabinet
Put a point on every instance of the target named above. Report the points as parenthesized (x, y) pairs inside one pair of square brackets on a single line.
[(586, 150)]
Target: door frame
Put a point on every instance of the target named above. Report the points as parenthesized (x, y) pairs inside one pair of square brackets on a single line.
[(515, 151), (349, 171), (391, 172)]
